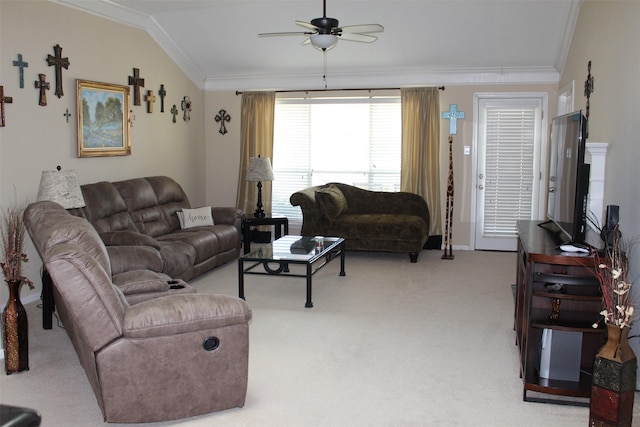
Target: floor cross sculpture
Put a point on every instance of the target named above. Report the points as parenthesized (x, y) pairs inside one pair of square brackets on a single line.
[(453, 115), (59, 63), (21, 65), (43, 85), (3, 100), (448, 230), (137, 83)]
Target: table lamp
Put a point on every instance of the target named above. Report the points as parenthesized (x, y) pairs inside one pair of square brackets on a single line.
[(259, 170), (61, 187)]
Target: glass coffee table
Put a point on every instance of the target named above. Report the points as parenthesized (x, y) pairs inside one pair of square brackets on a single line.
[(311, 252)]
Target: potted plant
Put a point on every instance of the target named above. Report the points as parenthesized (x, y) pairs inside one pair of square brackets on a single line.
[(14, 316), (614, 370)]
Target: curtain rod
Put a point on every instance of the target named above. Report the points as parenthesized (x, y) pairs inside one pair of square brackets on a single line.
[(238, 92)]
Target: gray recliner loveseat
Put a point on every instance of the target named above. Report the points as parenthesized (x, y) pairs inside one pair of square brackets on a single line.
[(161, 359)]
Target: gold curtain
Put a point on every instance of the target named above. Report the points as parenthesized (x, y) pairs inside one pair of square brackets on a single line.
[(421, 149), (256, 138)]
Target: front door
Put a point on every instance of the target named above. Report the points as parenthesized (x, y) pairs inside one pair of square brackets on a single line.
[(508, 169)]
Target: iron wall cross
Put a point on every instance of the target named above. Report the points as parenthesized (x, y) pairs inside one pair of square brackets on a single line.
[(22, 65), (67, 114), (43, 86), (162, 94), (137, 83), (150, 98), (3, 100), (58, 62), (186, 107), (221, 118), (174, 112), (588, 90), (453, 115)]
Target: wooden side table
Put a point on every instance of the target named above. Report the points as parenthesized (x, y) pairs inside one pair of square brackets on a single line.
[(279, 223)]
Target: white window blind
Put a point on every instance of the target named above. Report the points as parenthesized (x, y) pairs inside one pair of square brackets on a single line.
[(356, 141), (510, 138)]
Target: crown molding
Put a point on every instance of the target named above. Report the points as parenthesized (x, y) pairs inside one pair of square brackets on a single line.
[(393, 78), (131, 17)]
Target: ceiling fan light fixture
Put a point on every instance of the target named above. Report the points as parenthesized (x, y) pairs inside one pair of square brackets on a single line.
[(324, 41)]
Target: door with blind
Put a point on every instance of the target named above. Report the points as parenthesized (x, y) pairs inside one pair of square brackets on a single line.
[(510, 151)]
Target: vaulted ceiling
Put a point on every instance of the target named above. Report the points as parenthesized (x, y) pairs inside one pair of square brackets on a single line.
[(425, 42)]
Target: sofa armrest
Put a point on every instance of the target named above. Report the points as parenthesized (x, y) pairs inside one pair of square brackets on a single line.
[(177, 314), (128, 238), (226, 215), (311, 216), (129, 258)]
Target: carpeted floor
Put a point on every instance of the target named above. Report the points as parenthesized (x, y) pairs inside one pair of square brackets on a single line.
[(390, 344)]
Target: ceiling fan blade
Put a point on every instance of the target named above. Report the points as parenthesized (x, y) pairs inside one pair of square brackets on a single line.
[(298, 33), (353, 37), (307, 25), (362, 29)]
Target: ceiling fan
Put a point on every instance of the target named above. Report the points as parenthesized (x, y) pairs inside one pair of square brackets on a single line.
[(323, 33)]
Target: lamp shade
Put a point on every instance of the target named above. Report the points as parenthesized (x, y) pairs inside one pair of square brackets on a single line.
[(259, 169), (324, 41), (62, 187)]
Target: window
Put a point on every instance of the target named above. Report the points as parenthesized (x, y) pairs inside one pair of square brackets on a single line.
[(354, 140)]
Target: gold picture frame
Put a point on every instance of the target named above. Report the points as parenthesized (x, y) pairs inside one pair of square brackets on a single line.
[(103, 119)]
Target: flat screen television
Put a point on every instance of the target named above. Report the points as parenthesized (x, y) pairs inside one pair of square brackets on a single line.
[(568, 181)]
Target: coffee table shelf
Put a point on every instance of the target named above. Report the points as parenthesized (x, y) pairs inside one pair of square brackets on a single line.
[(316, 252)]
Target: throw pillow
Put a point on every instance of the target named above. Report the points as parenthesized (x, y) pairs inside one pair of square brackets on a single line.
[(331, 202), (198, 217)]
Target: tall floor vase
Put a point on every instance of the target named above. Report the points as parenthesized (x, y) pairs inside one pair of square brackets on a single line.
[(16, 332), (614, 381)]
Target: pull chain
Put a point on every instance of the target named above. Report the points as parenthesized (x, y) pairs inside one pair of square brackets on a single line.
[(324, 76)]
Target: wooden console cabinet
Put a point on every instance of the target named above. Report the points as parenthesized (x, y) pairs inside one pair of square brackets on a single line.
[(541, 268)]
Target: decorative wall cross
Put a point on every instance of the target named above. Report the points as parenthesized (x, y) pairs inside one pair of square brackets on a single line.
[(3, 100), (43, 85), (174, 112), (453, 115), (137, 83), (221, 118), (58, 62), (22, 65), (67, 115), (186, 107), (162, 94), (150, 98), (588, 90)]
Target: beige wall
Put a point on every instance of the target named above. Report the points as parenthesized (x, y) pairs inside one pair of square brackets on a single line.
[(604, 34), (37, 138), (222, 151)]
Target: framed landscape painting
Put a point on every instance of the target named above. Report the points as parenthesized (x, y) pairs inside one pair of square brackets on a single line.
[(103, 119)]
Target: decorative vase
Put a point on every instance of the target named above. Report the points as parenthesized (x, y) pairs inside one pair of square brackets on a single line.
[(614, 381), (16, 331)]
